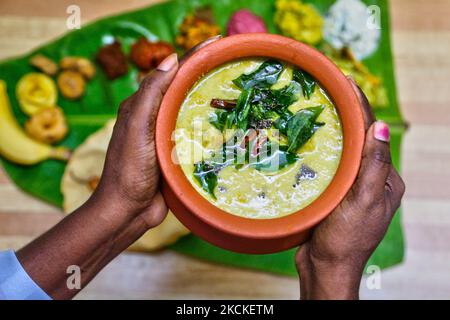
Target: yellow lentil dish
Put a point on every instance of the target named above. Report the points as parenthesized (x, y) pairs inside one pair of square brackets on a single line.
[(268, 112)]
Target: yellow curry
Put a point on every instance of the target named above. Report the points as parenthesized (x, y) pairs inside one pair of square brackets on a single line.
[(245, 116)]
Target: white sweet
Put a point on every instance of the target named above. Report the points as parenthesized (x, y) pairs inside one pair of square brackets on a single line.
[(350, 23)]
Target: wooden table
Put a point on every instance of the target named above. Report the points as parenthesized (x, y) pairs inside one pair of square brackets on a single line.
[(421, 39)]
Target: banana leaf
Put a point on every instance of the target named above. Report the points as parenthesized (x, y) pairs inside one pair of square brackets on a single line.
[(103, 98)]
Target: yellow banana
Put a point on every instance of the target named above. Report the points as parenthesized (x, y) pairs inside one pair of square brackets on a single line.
[(15, 145)]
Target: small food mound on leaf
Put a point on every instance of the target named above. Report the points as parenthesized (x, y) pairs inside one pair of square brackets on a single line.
[(44, 64), (78, 64), (195, 29), (299, 21), (48, 125), (370, 84), (147, 55), (71, 84), (112, 60), (244, 21)]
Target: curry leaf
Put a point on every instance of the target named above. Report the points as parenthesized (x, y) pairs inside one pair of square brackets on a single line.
[(218, 119), (277, 158), (261, 117), (221, 119), (264, 77), (206, 174), (268, 105), (239, 116), (277, 100), (306, 81), (281, 122), (302, 126), (242, 109), (286, 96), (259, 152)]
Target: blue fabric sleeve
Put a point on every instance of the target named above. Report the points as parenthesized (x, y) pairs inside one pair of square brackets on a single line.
[(15, 283)]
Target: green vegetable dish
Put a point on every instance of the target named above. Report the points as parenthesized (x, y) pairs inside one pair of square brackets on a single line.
[(258, 139)]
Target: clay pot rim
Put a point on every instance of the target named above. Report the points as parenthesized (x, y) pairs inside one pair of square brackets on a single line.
[(332, 80)]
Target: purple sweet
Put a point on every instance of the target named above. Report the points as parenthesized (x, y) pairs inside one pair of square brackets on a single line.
[(244, 21)]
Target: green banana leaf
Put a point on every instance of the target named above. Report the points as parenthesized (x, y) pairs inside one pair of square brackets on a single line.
[(103, 97)]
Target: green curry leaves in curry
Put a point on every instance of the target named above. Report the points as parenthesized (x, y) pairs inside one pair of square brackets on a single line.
[(259, 138), (260, 107)]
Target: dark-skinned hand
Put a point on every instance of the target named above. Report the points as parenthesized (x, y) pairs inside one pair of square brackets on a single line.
[(126, 203), (331, 263)]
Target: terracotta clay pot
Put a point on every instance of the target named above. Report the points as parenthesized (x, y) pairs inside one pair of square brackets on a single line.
[(257, 235)]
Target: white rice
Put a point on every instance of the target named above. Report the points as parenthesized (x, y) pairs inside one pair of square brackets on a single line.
[(349, 24)]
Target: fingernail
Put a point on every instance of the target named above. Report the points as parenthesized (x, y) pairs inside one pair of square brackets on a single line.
[(209, 41), (215, 38), (168, 63), (381, 131), (353, 82)]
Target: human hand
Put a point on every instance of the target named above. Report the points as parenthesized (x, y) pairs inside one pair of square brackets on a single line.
[(125, 204), (131, 173), (130, 177), (331, 263)]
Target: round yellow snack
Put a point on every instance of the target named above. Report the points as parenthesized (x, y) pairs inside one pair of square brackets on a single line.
[(47, 125), (86, 164), (36, 91), (79, 64), (71, 84)]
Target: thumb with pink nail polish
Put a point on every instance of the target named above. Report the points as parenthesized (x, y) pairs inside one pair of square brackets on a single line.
[(381, 131)]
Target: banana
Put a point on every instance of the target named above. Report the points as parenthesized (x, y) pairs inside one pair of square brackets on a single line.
[(15, 145)]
